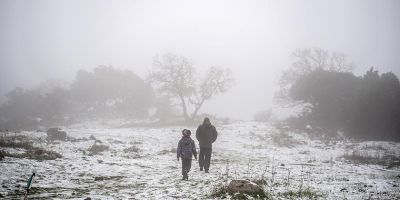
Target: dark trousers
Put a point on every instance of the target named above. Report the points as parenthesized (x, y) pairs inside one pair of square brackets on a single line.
[(205, 157), (186, 165)]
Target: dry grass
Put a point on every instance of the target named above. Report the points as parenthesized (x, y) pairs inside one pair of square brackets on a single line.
[(221, 191), (300, 194), (365, 158), (132, 149), (285, 140), (31, 152), (35, 154)]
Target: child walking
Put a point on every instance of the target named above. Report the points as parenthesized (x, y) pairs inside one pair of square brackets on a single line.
[(186, 148)]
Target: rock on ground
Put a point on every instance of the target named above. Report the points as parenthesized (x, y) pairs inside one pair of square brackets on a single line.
[(244, 186), (56, 134)]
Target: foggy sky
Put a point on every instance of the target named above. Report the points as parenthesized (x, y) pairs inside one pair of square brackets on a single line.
[(42, 40)]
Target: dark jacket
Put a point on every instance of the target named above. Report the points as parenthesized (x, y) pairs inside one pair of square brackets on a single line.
[(206, 135), (186, 148)]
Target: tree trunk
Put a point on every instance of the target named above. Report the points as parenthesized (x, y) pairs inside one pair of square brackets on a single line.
[(184, 108), (197, 108)]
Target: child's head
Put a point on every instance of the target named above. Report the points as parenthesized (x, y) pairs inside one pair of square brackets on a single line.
[(186, 132)]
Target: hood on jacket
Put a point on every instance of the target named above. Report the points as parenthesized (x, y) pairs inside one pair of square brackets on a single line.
[(206, 122)]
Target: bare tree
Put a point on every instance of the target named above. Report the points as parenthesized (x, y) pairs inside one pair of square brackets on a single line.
[(174, 76), (216, 81)]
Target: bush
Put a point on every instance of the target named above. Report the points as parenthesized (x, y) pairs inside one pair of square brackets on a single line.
[(2, 154), (361, 107)]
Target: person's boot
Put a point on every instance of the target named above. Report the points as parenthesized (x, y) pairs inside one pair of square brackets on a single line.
[(184, 175), (206, 171), (201, 169)]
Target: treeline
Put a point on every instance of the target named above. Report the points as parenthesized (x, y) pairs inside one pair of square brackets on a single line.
[(105, 93), (335, 100), (110, 93)]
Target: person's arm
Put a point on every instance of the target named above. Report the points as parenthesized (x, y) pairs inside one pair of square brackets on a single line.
[(194, 150), (198, 133), (215, 134), (179, 150)]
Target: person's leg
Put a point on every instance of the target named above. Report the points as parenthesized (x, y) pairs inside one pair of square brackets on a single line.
[(184, 171), (207, 159), (188, 166), (201, 158)]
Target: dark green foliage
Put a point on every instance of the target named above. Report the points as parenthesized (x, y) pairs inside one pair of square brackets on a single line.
[(330, 95), (377, 113), (365, 107)]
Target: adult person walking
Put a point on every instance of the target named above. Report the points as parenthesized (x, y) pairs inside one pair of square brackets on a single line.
[(206, 134)]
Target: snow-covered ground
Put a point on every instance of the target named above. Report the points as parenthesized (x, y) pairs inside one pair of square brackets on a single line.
[(243, 150)]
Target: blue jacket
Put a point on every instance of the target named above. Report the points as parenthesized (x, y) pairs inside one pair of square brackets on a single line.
[(186, 148)]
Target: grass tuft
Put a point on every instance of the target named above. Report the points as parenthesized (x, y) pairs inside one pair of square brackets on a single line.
[(303, 194), (132, 149), (222, 191), (31, 152)]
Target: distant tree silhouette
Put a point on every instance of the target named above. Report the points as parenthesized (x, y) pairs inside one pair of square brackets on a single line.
[(174, 76), (306, 61), (21, 110), (377, 113), (108, 91), (330, 95), (104, 93), (335, 100)]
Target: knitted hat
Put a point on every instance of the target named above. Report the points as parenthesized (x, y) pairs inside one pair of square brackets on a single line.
[(186, 132)]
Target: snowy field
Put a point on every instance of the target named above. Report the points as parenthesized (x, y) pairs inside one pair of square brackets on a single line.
[(141, 164)]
